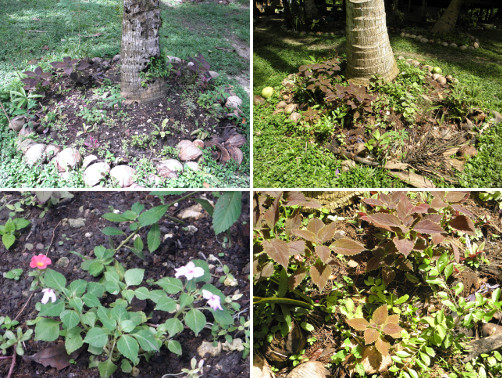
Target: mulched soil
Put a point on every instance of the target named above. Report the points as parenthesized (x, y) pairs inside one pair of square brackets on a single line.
[(125, 130), (328, 338), (51, 230)]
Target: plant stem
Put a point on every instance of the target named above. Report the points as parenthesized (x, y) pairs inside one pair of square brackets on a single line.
[(126, 240), (293, 302), (11, 370)]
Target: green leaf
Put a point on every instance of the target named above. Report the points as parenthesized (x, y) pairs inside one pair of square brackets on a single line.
[(206, 205), (430, 351), (153, 238), (442, 261), (412, 373), (73, 340), (76, 303), (138, 247), (113, 217), (125, 366), (119, 313), (77, 288), (8, 240), (137, 207), (133, 277), (10, 227), (170, 285), (96, 289), (173, 326), (21, 223), (89, 318), (127, 326), (112, 231), (448, 271), (130, 215), (70, 319), (175, 347), (106, 368), (223, 317), (402, 354), (166, 304), (96, 337), (146, 340), (186, 300), (157, 295), (152, 215), (13, 274), (96, 268), (142, 293), (47, 330), (51, 309), (106, 319), (129, 347), (195, 320), (91, 300), (226, 211)]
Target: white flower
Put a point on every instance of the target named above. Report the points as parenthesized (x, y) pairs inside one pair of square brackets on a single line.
[(190, 271), (48, 294), (212, 300)]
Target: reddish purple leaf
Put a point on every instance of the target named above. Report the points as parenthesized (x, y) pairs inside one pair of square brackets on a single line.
[(380, 315), (373, 263), (382, 346), (464, 224), (404, 246), (320, 274), (455, 197), (278, 250), (385, 220), (293, 223), (359, 324), (327, 233), (423, 208), (315, 225), (296, 247), (463, 210), (426, 226), (296, 278), (54, 356), (437, 203), (371, 335), (403, 207), (323, 252), (372, 201), (438, 238), (347, 247), (305, 234), (456, 252), (392, 329)]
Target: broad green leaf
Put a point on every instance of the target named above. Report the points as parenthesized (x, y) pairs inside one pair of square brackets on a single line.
[(226, 211), (130, 215), (125, 366), (96, 337), (129, 348), (127, 326), (99, 251), (76, 303), (153, 238), (47, 330), (106, 368), (223, 317), (442, 261), (113, 217), (106, 319), (96, 289), (78, 287), (51, 309), (146, 340), (112, 231), (10, 227), (91, 300), (96, 268), (152, 215), (173, 326), (128, 295), (119, 313), (70, 319), (412, 373), (112, 287), (137, 317), (137, 207), (133, 277), (206, 205), (89, 318), (21, 223), (8, 240), (175, 347), (138, 247), (186, 300), (170, 285), (157, 295), (166, 304), (73, 340), (142, 293), (195, 320), (54, 280)]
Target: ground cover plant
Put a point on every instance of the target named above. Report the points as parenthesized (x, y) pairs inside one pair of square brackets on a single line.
[(403, 284), (339, 135), (126, 284), (59, 86)]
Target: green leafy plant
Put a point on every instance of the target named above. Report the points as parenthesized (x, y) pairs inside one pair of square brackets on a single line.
[(9, 230), (14, 274)]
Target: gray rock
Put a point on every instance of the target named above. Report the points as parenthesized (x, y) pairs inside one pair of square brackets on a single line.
[(95, 173), (35, 153), (172, 164), (26, 131), (123, 174), (475, 45), (28, 246), (17, 123), (67, 159), (213, 74), (24, 144), (63, 262), (445, 44), (173, 59), (233, 102), (290, 108), (192, 165), (295, 117), (97, 60), (88, 160), (77, 222), (116, 58), (154, 179), (52, 150), (188, 151)]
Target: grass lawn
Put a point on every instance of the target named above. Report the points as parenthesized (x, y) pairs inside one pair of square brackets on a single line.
[(37, 34), (284, 156)]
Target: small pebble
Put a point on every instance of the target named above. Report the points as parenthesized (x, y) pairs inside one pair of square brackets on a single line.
[(40, 246), (62, 262), (28, 246), (88, 234)]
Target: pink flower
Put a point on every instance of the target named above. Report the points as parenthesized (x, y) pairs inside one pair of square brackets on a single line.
[(40, 261), (190, 271), (212, 300), (48, 294)]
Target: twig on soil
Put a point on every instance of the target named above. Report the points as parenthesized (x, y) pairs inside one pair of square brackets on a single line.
[(52, 240), (4, 112), (24, 306), (484, 345), (5, 357), (13, 363)]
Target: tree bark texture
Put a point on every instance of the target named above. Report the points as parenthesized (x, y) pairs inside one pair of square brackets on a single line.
[(368, 48), (449, 18), (140, 42)]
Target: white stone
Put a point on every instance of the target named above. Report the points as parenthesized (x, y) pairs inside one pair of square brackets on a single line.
[(95, 173), (295, 117), (233, 102), (25, 131), (172, 164), (17, 123), (188, 151), (35, 153), (123, 174), (68, 158), (194, 166), (23, 145), (213, 74), (88, 160), (173, 59)]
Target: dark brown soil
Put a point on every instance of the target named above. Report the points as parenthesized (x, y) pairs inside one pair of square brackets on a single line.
[(51, 230)]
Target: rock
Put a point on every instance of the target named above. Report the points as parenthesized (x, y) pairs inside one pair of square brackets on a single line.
[(445, 44), (25, 144), (463, 47), (63, 262), (173, 59), (68, 158), (123, 174), (413, 36), (154, 179), (116, 58), (198, 143), (213, 74), (233, 102), (258, 100), (97, 60), (95, 173), (347, 165), (290, 108), (311, 369), (467, 151), (194, 166), (207, 347), (441, 80), (476, 45), (416, 63), (400, 57), (261, 368), (192, 212), (137, 186), (25, 131), (359, 147), (188, 151), (490, 329), (282, 104), (28, 246), (449, 78), (295, 117), (428, 68), (77, 222), (402, 34), (88, 160), (52, 150), (497, 117), (35, 153), (17, 123), (236, 344), (454, 45), (169, 168), (436, 76)]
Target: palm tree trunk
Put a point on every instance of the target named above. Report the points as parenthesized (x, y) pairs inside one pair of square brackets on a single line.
[(449, 18), (140, 43), (368, 48)]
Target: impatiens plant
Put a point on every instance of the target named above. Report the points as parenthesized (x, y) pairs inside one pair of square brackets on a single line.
[(10, 229), (40, 261)]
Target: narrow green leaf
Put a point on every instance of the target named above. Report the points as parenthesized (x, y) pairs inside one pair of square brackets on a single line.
[(226, 211), (175, 347), (153, 238), (152, 215), (206, 205), (112, 231), (113, 217), (138, 247)]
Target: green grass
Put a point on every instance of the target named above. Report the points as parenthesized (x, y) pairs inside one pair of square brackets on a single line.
[(49, 30), (286, 157)]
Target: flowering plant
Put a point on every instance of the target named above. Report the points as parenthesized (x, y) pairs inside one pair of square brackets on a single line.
[(77, 311)]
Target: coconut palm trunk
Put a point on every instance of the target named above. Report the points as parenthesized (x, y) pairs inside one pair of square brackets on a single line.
[(140, 43), (368, 48), (447, 21)]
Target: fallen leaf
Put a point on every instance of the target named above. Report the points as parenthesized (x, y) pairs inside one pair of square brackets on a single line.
[(54, 356), (413, 179)]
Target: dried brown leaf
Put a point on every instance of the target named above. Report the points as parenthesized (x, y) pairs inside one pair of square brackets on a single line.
[(382, 346), (359, 324), (296, 278), (371, 335), (380, 315), (456, 197), (392, 329), (54, 356)]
